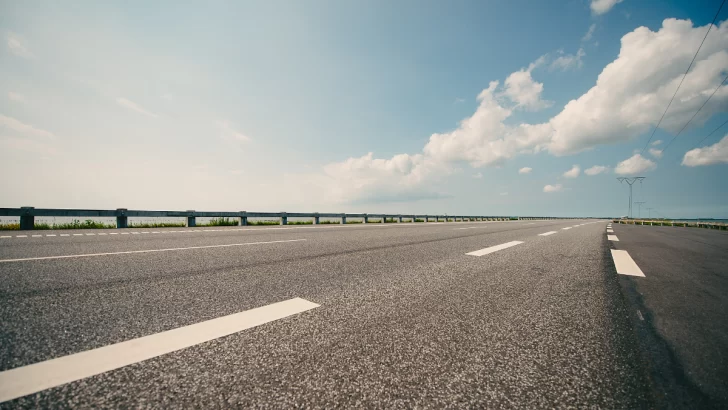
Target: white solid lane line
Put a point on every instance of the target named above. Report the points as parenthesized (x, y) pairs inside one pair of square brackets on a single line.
[(612, 238), (625, 264), (86, 255), (496, 248), (547, 233), (36, 377)]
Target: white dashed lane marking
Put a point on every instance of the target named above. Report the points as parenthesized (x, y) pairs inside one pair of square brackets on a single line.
[(547, 233), (21, 381), (612, 238), (492, 249), (568, 227), (625, 264)]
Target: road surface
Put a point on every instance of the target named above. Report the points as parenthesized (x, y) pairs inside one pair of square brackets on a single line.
[(481, 314)]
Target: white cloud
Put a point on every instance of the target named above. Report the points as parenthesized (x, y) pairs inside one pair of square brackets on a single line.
[(634, 165), (16, 125), (17, 97), (16, 46), (504, 194), (523, 90), (479, 175), (657, 153), (135, 107), (656, 143), (228, 132), (602, 6), (568, 61), (632, 92), (525, 170), (589, 33), (28, 145), (596, 170), (573, 172), (553, 188), (710, 155)]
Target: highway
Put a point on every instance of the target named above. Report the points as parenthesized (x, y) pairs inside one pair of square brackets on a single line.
[(471, 314)]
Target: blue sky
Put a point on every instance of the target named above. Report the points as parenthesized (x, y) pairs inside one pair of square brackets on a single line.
[(277, 106)]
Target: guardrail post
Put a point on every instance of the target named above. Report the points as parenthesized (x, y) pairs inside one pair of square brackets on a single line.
[(343, 219), (27, 219), (284, 218), (191, 220), (243, 218), (399, 220), (122, 221), (384, 218), (316, 219), (366, 219)]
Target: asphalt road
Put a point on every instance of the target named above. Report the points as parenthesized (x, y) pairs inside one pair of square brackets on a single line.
[(682, 304), (407, 316)]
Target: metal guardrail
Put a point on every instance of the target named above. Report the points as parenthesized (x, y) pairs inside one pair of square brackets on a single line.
[(687, 224), (27, 215)]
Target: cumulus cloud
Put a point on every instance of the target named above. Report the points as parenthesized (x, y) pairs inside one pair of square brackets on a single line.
[(627, 100), (631, 92), (525, 170), (596, 170), (602, 6), (657, 153), (568, 61), (229, 133), (522, 89), (573, 172), (656, 143), (19, 126), (16, 45), (710, 155), (479, 175), (634, 165), (135, 107), (17, 97), (553, 188)]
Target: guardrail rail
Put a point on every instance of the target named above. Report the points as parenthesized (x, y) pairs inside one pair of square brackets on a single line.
[(28, 214)]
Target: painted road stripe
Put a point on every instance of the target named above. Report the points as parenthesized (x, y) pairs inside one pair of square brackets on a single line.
[(612, 238), (51, 235), (37, 377), (625, 264), (37, 236), (494, 248), (610, 230), (547, 233), (21, 236), (5, 236), (86, 255), (77, 234), (64, 234), (568, 227)]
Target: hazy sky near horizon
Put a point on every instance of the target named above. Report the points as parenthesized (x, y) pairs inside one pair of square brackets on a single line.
[(501, 107)]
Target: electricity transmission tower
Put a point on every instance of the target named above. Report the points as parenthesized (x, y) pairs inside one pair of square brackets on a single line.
[(631, 182), (649, 210), (639, 208)]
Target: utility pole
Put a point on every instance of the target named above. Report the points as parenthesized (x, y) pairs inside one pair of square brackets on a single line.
[(630, 181), (649, 210), (639, 208)]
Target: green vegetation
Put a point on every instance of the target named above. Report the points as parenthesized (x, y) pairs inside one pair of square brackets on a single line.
[(300, 222), (263, 222), (329, 222), (220, 222), (419, 220), (354, 221), (76, 224), (156, 225), (9, 226)]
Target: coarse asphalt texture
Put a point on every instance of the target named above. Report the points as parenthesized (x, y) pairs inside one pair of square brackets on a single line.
[(406, 317)]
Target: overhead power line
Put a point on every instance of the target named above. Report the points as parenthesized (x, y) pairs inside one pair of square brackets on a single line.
[(683, 78), (696, 113)]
